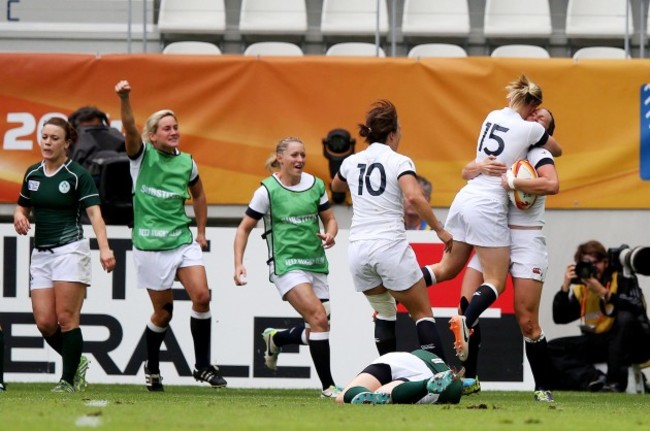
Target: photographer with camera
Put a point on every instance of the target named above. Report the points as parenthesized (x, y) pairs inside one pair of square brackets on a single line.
[(601, 289)]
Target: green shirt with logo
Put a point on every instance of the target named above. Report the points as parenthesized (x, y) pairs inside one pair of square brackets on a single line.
[(160, 192), (56, 201), (291, 227)]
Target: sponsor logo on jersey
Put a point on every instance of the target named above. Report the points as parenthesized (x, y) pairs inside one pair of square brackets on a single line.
[(32, 185), (308, 218), (159, 233), (64, 187), (163, 194), (305, 261)]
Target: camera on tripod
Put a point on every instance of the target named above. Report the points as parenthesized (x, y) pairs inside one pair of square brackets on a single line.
[(629, 260)]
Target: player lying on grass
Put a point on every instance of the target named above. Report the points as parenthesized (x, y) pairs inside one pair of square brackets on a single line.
[(418, 377)]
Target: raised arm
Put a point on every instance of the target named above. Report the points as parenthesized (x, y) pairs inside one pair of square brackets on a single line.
[(133, 139)]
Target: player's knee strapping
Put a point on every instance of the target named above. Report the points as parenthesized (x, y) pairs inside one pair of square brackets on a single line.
[(385, 322), (385, 306)]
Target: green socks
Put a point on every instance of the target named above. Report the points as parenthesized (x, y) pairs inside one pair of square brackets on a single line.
[(72, 347), (353, 392)]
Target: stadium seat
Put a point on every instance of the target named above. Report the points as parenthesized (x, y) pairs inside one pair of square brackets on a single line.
[(273, 49), (517, 19), (445, 18), (520, 51), (356, 49), (353, 18), (192, 17), (191, 47), (596, 19), (76, 26), (273, 17), (600, 53), (436, 50)]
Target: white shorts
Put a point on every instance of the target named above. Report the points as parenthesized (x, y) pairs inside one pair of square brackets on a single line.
[(528, 255), (285, 282), (157, 269), (376, 262), (70, 262), (478, 219), (405, 366)]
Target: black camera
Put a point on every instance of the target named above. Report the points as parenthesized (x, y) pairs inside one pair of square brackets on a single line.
[(336, 147), (584, 269), (630, 260)]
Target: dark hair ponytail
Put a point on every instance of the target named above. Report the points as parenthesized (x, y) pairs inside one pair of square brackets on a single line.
[(381, 121)]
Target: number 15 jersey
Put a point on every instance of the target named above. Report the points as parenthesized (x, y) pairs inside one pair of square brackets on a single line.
[(508, 137), (377, 200)]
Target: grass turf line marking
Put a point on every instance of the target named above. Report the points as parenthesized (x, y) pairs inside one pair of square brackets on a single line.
[(96, 403), (88, 421)]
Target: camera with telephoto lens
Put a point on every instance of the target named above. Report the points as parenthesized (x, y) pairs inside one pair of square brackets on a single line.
[(630, 260), (336, 147), (584, 269)]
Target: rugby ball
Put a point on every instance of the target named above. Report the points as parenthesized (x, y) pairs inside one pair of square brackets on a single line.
[(522, 169)]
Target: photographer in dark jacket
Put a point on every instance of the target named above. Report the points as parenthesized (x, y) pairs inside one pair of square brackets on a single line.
[(606, 297), (95, 136), (101, 149)]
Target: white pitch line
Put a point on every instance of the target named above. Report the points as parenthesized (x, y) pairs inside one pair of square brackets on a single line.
[(88, 421), (97, 403)]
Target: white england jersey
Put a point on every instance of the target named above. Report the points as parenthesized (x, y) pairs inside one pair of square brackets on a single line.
[(533, 216), (377, 200), (508, 137)]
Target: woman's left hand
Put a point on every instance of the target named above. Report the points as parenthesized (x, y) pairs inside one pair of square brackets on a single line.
[(107, 259), (202, 241), (328, 239)]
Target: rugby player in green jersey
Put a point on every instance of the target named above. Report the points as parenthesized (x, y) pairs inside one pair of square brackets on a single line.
[(55, 191)]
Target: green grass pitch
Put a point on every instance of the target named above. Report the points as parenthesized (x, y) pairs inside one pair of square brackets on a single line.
[(32, 407)]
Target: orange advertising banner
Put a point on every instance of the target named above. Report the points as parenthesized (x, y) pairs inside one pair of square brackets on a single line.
[(233, 109)]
